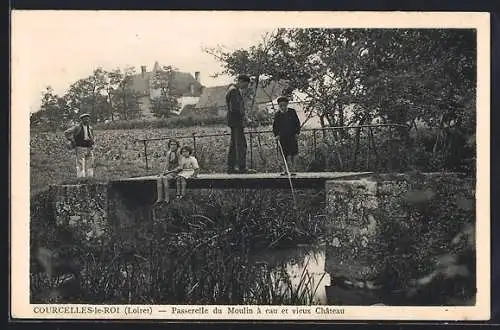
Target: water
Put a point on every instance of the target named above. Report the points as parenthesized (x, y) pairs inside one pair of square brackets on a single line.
[(186, 257), (303, 264)]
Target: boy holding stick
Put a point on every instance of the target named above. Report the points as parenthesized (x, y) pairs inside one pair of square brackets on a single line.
[(286, 127)]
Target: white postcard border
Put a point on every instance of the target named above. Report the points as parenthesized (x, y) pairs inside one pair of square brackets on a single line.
[(20, 171)]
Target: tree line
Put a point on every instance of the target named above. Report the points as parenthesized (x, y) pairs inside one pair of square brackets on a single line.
[(400, 76), (412, 77), (106, 95)]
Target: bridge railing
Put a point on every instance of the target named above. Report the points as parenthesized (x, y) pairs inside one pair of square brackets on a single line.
[(376, 147)]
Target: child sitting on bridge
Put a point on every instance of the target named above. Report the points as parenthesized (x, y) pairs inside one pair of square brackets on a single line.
[(169, 172), (188, 168)]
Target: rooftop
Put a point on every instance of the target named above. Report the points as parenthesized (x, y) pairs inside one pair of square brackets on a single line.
[(216, 96), (181, 83)]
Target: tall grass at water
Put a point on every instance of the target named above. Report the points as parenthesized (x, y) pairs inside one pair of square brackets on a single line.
[(196, 251), (275, 286)]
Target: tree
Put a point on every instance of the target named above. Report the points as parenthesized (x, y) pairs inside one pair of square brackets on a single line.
[(104, 94), (164, 103), (379, 71), (123, 100), (90, 95), (53, 111), (113, 81), (255, 62), (398, 76)]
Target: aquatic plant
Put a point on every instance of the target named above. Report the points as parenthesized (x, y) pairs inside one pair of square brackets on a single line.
[(194, 251)]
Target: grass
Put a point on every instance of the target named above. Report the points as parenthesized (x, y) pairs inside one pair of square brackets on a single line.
[(118, 154), (195, 253), (274, 286)]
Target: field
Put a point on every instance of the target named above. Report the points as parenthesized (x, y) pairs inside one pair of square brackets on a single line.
[(118, 154)]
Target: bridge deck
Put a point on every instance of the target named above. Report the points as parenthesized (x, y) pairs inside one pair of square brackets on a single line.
[(254, 180), (263, 176)]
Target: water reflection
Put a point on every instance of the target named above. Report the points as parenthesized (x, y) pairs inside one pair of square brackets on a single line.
[(304, 271)]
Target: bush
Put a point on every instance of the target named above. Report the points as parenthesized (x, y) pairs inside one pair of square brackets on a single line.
[(172, 122), (437, 210), (432, 150)]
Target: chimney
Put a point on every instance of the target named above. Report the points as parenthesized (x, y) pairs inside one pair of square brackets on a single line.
[(197, 76), (143, 70)]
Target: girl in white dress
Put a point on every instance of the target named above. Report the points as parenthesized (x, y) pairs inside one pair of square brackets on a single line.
[(188, 168)]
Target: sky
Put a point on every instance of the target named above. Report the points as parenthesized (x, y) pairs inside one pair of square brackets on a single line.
[(57, 48)]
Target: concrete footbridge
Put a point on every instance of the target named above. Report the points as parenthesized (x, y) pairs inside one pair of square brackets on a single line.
[(253, 180)]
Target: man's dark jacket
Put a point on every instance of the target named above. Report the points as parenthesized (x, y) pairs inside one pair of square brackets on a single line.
[(235, 107)]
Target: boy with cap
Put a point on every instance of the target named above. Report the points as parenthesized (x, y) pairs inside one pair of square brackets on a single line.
[(286, 127), (81, 138), (236, 120)]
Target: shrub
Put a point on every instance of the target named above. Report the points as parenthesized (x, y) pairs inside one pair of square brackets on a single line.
[(437, 211), (172, 122)]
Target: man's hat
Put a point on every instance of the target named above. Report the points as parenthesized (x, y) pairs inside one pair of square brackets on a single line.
[(282, 99), (83, 115), (244, 77)]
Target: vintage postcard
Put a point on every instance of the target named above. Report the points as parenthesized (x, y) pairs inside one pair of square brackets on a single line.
[(250, 165)]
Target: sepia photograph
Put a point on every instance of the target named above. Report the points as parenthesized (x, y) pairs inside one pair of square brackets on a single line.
[(199, 159)]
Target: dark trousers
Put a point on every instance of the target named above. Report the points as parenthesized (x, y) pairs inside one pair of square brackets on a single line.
[(237, 149)]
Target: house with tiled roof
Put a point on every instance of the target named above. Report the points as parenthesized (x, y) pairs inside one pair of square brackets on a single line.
[(185, 86), (214, 98)]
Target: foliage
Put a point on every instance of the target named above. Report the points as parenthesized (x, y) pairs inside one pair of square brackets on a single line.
[(106, 95), (54, 111), (195, 252), (437, 211), (393, 75), (165, 102)]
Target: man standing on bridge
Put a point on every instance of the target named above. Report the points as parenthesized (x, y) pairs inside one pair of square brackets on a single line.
[(81, 139), (236, 119)]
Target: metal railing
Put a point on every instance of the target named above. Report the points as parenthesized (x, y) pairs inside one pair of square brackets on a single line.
[(317, 134)]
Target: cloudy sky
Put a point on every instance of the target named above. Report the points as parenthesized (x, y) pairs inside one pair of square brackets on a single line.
[(57, 48)]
